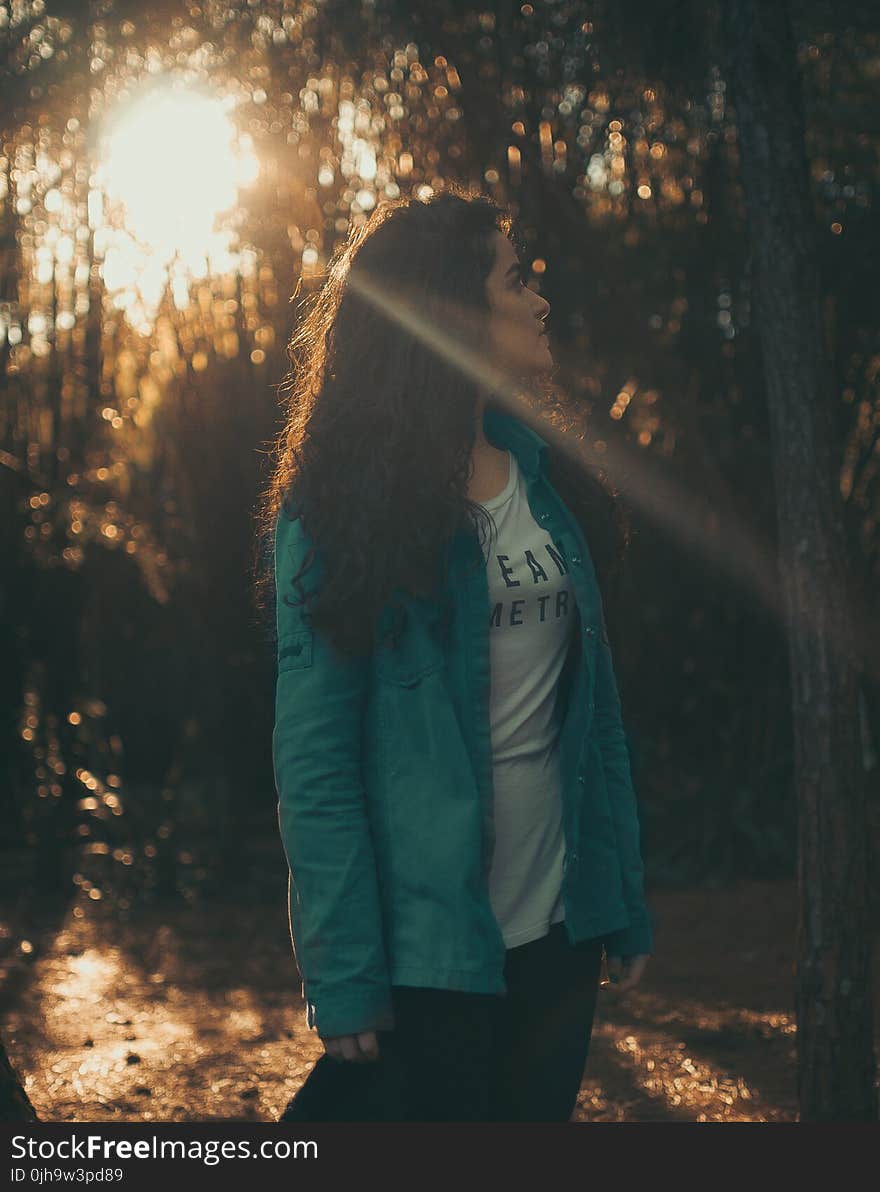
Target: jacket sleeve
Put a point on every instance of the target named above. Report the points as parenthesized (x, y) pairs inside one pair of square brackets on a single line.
[(638, 937), (333, 891)]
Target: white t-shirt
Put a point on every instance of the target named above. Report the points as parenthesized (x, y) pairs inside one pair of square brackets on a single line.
[(531, 603)]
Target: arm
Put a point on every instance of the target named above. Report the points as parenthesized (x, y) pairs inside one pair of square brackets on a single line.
[(335, 920), (638, 937)]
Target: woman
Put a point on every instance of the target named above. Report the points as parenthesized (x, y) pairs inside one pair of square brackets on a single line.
[(454, 791)]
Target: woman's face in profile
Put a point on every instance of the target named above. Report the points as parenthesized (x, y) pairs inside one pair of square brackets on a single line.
[(517, 336)]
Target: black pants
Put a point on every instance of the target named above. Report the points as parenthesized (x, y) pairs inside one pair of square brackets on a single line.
[(473, 1057)]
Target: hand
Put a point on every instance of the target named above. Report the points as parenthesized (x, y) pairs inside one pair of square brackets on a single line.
[(359, 1049), (624, 972)]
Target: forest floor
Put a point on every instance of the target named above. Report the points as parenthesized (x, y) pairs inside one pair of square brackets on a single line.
[(193, 1013)]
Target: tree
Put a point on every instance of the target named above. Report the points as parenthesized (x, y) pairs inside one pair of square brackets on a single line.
[(14, 1103), (836, 1062)]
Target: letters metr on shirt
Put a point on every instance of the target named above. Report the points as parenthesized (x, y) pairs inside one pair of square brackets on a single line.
[(530, 597), (540, 576)]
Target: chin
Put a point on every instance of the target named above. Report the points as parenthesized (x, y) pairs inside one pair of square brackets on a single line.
[(539, 363)]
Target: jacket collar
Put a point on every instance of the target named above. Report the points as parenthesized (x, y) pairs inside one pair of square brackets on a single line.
[(506, 430)]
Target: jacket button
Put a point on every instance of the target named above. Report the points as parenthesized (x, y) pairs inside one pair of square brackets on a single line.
[(573, 859), (544, 517), (575, 558), (589, 631), (581, 778)]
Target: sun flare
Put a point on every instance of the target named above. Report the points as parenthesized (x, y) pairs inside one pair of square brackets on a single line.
[(171, 163)]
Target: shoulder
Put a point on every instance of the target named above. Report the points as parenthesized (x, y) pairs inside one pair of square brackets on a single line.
[(289, 529), (296, 554)]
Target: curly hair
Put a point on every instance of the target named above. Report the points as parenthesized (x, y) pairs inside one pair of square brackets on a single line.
[(374, 454)]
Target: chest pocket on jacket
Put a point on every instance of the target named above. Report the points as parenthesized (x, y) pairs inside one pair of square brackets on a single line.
[(417, 654)]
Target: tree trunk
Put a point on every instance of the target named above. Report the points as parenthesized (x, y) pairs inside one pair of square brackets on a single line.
[(836, 1062), (14, 1103)]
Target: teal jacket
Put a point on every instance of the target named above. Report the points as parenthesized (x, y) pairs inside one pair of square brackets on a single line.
[(383, 768)]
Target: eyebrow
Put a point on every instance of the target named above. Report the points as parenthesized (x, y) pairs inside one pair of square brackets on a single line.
[(516, 267)]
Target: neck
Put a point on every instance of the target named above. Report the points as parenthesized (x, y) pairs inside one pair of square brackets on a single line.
[(481, 443)]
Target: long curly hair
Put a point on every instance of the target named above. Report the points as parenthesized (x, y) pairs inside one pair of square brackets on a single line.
[(374, 453)]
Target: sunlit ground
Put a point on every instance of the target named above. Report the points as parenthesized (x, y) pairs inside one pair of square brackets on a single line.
[(195, 1016), (146, 1022)]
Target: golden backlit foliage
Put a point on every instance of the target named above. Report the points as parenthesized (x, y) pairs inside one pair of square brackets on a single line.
[(167, 183)]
